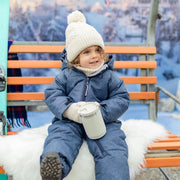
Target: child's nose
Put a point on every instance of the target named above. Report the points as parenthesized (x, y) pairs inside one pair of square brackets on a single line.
[(94, 54)]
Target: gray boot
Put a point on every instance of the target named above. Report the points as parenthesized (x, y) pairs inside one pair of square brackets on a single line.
[(51, 168)]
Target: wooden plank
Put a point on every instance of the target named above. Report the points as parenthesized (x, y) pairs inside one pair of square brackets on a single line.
[(40, 96), (139, 80), (25, 96), (135, 64), (2, 171), (142, 95), (34, 64), (169, 140), (49, 80), (36, 48), (162, 162), (58, 64), (59, 48), (12, 132), (172, 136), (29, 80), (130, 50), (164, 145)]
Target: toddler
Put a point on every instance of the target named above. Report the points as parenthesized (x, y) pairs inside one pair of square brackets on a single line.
[(86, 76)]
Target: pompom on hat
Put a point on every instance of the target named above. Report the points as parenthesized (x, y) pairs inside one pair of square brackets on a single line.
[(80, 35)]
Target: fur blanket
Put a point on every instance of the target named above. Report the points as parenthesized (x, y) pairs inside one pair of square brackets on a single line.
[(19, 154)]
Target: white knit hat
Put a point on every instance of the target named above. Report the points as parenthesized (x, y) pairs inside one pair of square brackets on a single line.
[(80, 35)]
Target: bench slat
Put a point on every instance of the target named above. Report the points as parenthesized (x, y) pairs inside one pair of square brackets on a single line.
[(14, 48), (139, 80), (2, 171), (59, 48), (169, 140), (29, 80), (172, 136), (162, 162), (40, 96), (25, 96), (135, 64), (164, 145), (58, 64), (34, 64), (130, 50), (49, 80), (142, 95)]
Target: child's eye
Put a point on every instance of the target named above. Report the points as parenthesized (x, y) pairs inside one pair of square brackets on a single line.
[(86, 52), (98, 49)]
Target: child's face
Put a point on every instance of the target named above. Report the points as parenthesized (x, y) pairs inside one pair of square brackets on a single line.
[(91, 57)]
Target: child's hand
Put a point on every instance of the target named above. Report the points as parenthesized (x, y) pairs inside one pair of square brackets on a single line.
[(81, 103), (72, 112)]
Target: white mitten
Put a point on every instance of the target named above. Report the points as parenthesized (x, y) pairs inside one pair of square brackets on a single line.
[(72, 112)]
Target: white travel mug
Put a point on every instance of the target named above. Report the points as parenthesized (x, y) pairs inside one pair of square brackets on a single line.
[(92, 120)]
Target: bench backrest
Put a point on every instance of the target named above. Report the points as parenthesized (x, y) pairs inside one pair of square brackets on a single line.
[(146, 63)]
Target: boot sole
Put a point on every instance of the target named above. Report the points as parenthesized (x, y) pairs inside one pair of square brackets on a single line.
[(51, 168)]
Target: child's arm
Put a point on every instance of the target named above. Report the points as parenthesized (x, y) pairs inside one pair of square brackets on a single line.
[(118, 100), (55, 96)]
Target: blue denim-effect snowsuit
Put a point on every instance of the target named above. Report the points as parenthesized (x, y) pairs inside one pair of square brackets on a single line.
[(66, 137)]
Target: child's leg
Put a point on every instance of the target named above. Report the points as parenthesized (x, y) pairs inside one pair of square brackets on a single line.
[(110, 154), (64, 138)]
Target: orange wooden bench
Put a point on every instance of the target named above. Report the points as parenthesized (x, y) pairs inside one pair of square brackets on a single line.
[(163, 153), (146, 80)]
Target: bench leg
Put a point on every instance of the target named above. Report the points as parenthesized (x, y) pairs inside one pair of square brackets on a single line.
[(164, 173), (152, 110)]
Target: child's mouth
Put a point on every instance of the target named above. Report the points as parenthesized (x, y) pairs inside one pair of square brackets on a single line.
[(94, 62)]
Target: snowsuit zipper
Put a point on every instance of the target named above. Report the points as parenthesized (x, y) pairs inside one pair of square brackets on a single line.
[(100, 146), (86, 88)]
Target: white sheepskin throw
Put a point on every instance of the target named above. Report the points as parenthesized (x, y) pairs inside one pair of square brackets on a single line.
[(19, 154)]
